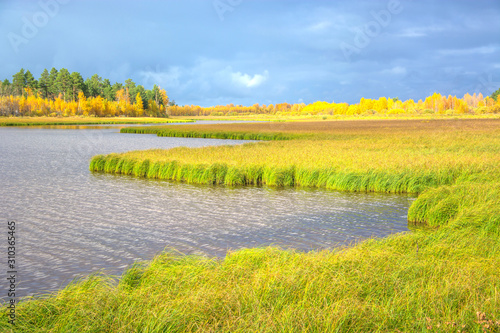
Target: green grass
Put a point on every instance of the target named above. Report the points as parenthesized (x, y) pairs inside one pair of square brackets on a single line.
[(176, 132), (44, 121), (444, 277)]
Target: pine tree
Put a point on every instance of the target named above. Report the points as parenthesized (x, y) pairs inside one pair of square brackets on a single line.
[(43, 83), (495, 94), (94, 86), (77, 85), (30, 80), (130, 85), (64, 84), (52, 86), (19, 82), (107, 90)]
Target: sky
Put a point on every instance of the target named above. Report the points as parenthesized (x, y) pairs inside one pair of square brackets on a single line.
[(216, 52)]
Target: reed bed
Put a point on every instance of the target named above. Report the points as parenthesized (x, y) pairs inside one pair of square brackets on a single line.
[(444, 277), (42, 121)]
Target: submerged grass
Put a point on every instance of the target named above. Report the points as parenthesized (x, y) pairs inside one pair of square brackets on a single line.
[(444, 278)]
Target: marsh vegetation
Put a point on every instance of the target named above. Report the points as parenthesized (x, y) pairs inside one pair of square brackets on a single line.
[(444, 277)]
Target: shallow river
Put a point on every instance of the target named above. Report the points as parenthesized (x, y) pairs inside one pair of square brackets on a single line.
[(71, 222)]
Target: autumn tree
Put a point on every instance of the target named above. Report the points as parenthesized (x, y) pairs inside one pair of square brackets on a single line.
[(138, 105), (82, 103), (164, 100), (5, 88)]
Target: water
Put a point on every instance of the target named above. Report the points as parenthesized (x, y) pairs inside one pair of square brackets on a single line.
[(71, 222)]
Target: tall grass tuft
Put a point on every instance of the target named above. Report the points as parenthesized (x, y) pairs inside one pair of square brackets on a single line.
[(444, 204)]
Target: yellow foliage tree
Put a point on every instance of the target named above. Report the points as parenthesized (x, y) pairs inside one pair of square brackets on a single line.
[(138, 106)]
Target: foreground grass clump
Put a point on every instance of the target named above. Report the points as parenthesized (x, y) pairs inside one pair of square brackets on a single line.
[(41, 121), (444, 280), (463, 202)]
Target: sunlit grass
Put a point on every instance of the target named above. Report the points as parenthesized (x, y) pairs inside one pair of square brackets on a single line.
[(38, 121), (382, 156)]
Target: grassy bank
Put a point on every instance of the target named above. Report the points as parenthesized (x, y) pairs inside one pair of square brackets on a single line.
[(382, 156), (42, 121), (443, 278)]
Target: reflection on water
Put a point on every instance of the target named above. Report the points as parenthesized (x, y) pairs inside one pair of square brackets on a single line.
[(71, 222)]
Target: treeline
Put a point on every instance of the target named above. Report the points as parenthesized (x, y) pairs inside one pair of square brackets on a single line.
[(62, 93), (434, 104)]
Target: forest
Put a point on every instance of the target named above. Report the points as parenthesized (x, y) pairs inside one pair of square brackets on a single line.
[(61, 93)]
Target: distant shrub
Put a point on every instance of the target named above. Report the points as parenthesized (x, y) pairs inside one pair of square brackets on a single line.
[(481, 110)]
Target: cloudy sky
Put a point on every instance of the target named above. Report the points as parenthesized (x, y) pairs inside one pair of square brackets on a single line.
[(262, 51)]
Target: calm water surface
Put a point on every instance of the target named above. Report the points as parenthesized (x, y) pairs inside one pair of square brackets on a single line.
[(71, 222)]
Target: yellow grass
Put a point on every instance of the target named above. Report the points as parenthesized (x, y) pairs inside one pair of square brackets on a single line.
[(30, 121), (418, 153)]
